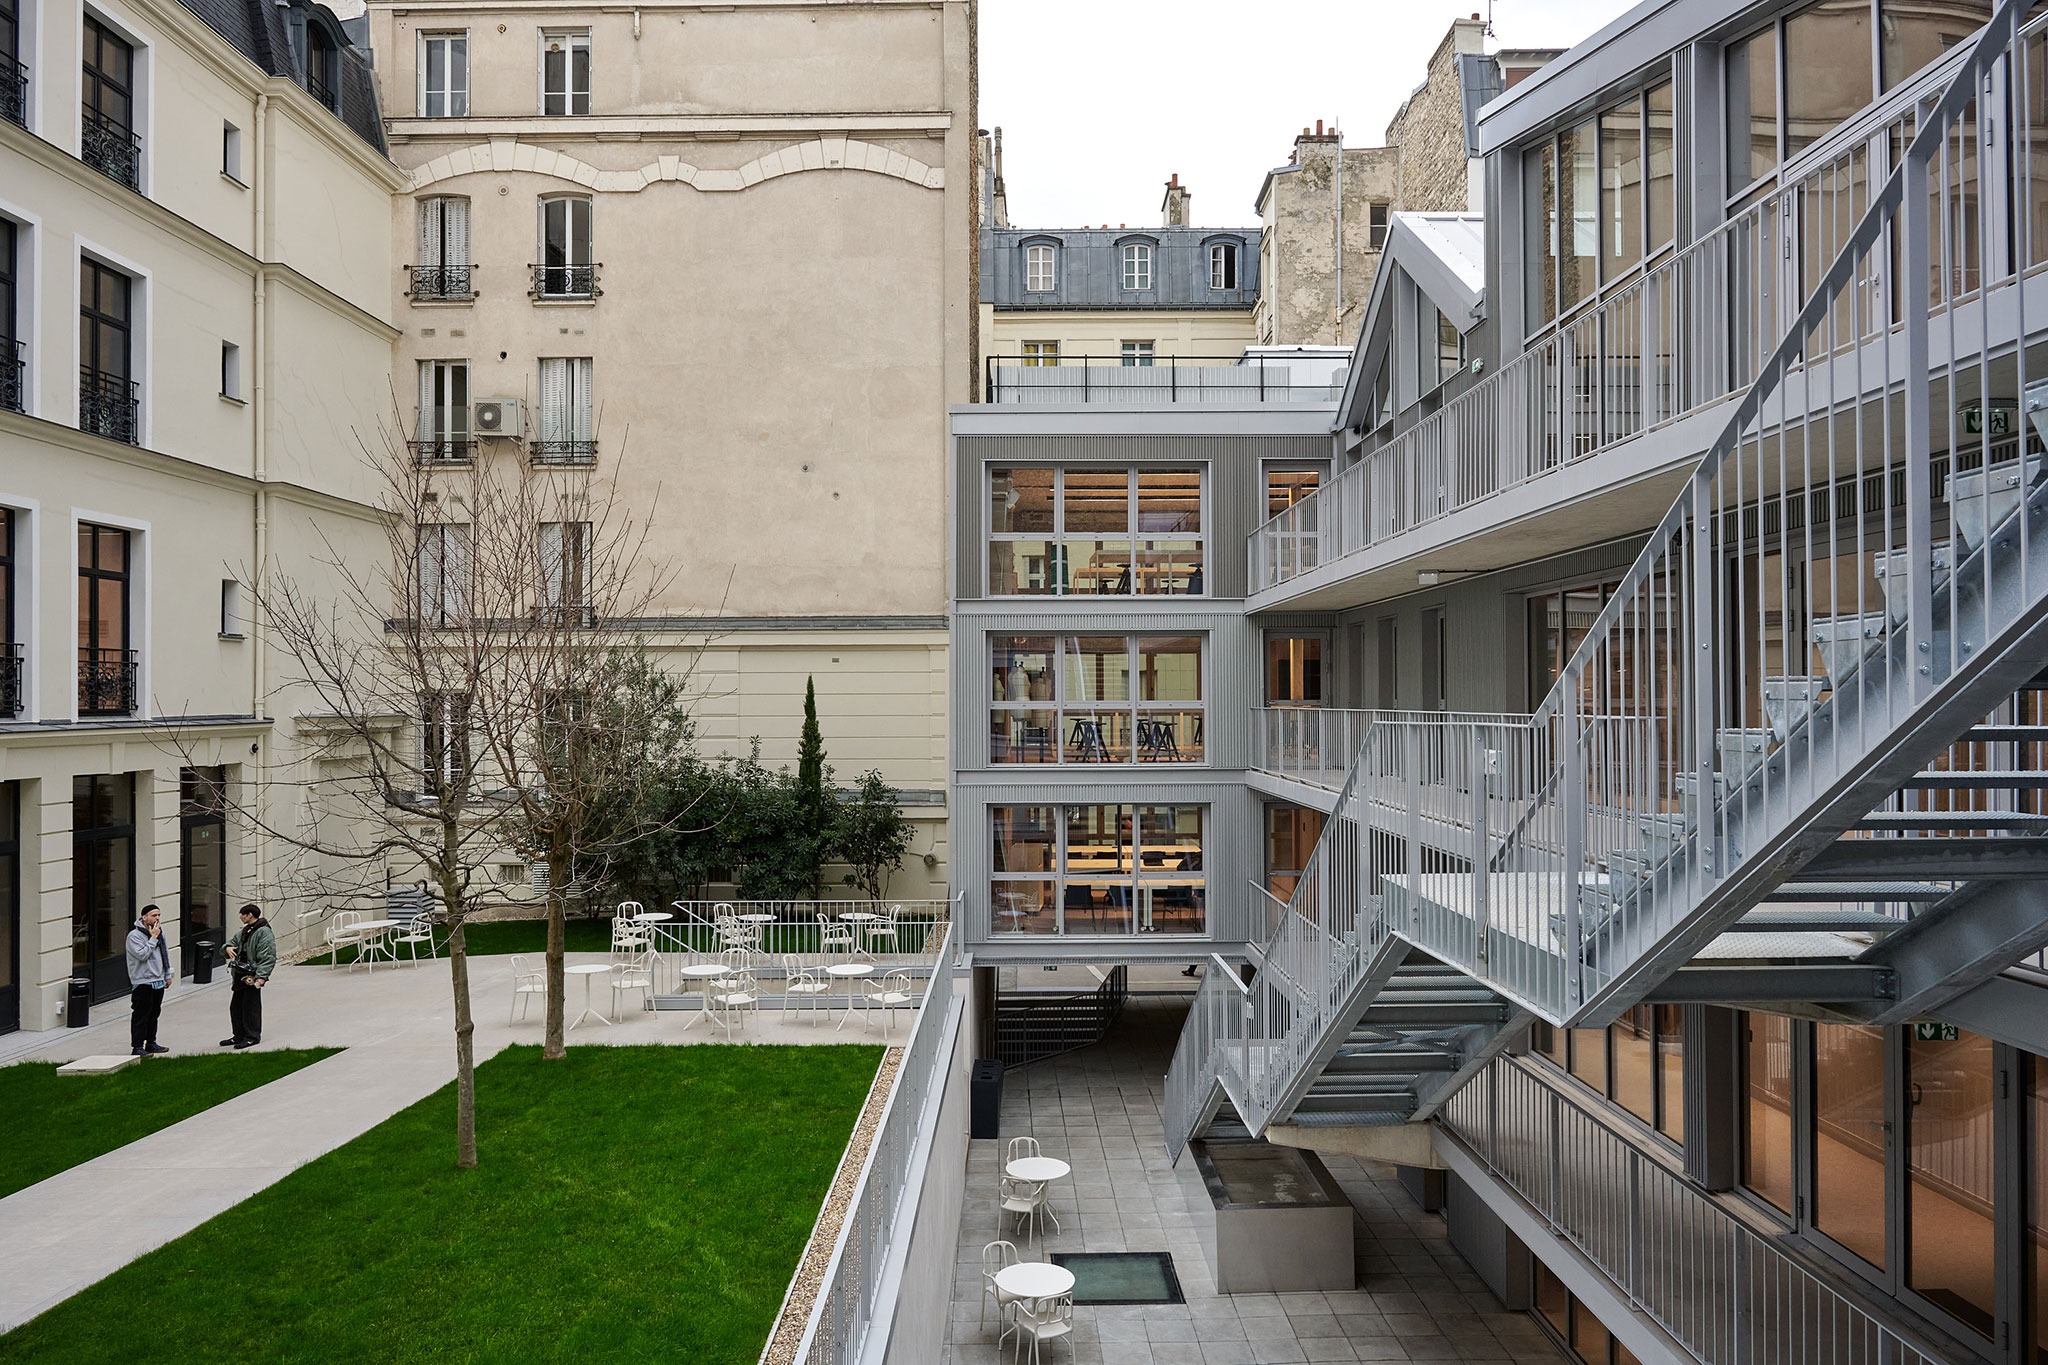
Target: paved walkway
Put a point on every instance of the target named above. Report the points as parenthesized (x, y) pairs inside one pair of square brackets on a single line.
[(1099, 1109), (397, 1027)]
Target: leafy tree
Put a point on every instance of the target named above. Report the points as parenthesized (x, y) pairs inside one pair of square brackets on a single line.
[(872, 836), (767, 833)]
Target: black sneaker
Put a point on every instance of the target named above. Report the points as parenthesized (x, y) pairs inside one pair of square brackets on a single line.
[(244, 1042), (137, 1052), (231, 1042), (154, 1048)]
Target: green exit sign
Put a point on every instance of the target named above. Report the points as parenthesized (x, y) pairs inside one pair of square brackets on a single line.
[(1979, 420), (1934, 1033)]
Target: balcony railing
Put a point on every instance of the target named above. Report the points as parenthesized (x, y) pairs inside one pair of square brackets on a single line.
[(110, 148), (13, 375), (443, 450), (110, 406), (565, 281), (106, 681), (14, 93), (563, 452), (439, 283), (1166, 379), (13, 670)]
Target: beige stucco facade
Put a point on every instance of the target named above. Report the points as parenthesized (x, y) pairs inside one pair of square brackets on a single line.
[(1172, 331), (273, 241), (780, 208)]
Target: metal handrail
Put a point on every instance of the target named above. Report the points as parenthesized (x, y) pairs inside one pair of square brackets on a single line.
[(440, 283), (443, 450), (1168, 378), (1021, 1039)]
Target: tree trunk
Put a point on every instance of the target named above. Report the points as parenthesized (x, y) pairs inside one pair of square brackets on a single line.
[(465, 1030), (558, 941)]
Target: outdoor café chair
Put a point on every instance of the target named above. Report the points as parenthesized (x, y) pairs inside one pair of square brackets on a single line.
[(1020, 1148), (893, 992), (733, 997), (343, 931), (632, 971), (996, 1257), (884, 928), (1023, 1200), (834, 934), (1042, 1320), (525, 985), (802, 987)]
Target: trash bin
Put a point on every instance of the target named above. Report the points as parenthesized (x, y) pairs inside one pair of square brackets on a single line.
[(78, 1005), (202, 961), (985, 1099)]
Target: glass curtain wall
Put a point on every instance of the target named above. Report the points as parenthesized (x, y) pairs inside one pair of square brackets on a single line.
[(1097, 869), (1095, 699), (1101, 532)]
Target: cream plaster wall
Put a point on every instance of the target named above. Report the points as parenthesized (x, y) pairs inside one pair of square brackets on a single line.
[(1172, 332)]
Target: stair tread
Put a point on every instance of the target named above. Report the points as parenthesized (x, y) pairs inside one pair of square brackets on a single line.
[(1948, 819), (1767, 921), (1858, 891), (1993, 734), (1978, 777)]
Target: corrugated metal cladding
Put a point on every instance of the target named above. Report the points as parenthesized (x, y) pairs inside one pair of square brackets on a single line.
[(1233, 856), (1237, 496), (1486, 647), (1088, 268)]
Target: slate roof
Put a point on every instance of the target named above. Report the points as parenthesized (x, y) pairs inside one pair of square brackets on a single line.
[(258, 30)]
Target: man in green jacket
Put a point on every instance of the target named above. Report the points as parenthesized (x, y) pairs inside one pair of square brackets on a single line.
[(252, 957)]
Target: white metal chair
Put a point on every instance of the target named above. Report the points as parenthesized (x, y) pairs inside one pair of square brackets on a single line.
[(526, 983), (1023, 1199), (802, 987), (632, 971), (995, 1258), (834, 934), (629, 933), (892, 992), (733, 997), (343, 931), (414, 911), (1042, 1320), (883, 930), (1021, 1148)]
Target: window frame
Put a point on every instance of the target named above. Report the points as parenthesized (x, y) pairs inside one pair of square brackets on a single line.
[(1135, 267), (1035, 355), (573, 244), (1133, 711), (1137, 354), (87, 577), (573, 39), (1049, 260), (1226, 265), (1058, 536), (445, 760), (438, 602), (1061, 873), (454, 97)]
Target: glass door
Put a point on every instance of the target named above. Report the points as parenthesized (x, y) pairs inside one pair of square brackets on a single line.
[(102, 879), (10, 907), (202, 860)]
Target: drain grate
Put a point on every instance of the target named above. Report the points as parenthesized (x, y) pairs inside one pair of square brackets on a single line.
[(1121, 1277)]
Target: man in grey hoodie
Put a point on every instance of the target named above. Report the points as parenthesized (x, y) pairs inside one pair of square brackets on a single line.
[(253, 957), (149, 977)]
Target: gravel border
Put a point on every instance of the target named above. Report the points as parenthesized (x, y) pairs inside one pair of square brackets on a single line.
[(795, 1317)]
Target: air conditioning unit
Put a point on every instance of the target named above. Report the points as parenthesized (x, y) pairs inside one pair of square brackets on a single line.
[(500, 417)]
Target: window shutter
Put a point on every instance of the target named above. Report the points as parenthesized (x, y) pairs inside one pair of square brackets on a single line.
[(580, 415), (456, 571), (551, 564), (430, 234), (428, 567), (426, 423), (455, 233), (554, 400)]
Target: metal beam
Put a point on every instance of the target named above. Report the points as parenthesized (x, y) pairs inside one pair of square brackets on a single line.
[(1960, 944), (1807, 983), (1958, 859), (2006, 1008)]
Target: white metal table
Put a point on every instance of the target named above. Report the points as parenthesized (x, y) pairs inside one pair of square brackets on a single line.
[(849, 972), (651, 917), (587, 970), (1035, 1280), (703, 973), (372, 939), (1040, 1170), (860, 920)]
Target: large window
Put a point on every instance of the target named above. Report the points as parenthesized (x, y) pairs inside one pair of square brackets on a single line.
[(1137, 353), (567, 268), (444, 744), (1095, 699), (1041, 262), (109, 402), (1097, 869), (106, 664), (1095, 531), (443, 272), (565, 72), (102, 879), (442, 573), (1037, 353), (13, 365), (1137, 266), (567, 429), (107, 141), (565, 570), (444, 430), (1849, 1137), (444, 75)]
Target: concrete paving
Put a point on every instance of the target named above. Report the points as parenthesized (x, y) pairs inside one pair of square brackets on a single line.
[(397, 1029), (1099, 1109)]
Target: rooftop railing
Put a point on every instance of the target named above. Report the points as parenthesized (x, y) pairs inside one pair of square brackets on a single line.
[(1059, 380)]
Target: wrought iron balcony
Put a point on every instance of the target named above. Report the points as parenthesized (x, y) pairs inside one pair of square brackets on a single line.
[(13, 371), (110, 148), (13, 669), (14, 94), (565, 281), (563, 452), (110, 406), (440, 450), (440, 283), (106, 681)]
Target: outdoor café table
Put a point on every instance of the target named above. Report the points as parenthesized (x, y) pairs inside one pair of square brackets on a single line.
[(651, 917), (1034, 1280), (1040, 1170), (372, 937), (849, 972), (588, 970), (755, 917), (860, 920), (703, 973)]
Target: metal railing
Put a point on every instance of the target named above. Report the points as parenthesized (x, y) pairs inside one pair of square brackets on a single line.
[(1030, 1027), (793, 930), (566, 281), (107, 681), (14, 93), (878, 1223), (113, 149), (1165, 379), (110, 405), (13, 375), (563, 452), (440, 283), (13, 680), (437, 450), (1726, 1293)]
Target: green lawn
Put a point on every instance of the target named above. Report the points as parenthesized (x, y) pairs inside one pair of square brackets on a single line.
[(631, 1203), (76, 1118)]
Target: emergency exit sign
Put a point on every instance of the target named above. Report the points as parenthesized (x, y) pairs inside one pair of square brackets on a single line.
[(1978, 420), (1934, 1033)]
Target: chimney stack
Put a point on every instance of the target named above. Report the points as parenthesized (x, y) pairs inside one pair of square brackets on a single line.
[(1325, 142), (1174, 208)]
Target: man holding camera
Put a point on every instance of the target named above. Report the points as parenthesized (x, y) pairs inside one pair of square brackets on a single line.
[(252, 957)]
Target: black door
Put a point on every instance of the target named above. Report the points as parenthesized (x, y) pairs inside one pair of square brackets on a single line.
[(203, 861), (10, 907), (102, 879)]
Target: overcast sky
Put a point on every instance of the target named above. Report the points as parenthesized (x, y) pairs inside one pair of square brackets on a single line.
[(1100, 100)]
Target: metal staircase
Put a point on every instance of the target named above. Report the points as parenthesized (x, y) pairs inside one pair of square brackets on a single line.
[(1749, 756)]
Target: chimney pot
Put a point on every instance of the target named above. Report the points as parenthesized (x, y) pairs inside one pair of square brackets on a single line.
[(1475, 18), (1319, 127)]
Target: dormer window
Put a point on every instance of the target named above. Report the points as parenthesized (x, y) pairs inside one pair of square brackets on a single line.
[(1137, 266), (1041, 267), (323, 67), (1223, 265)]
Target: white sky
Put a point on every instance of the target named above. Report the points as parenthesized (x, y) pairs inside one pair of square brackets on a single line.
[(1100, 100)]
